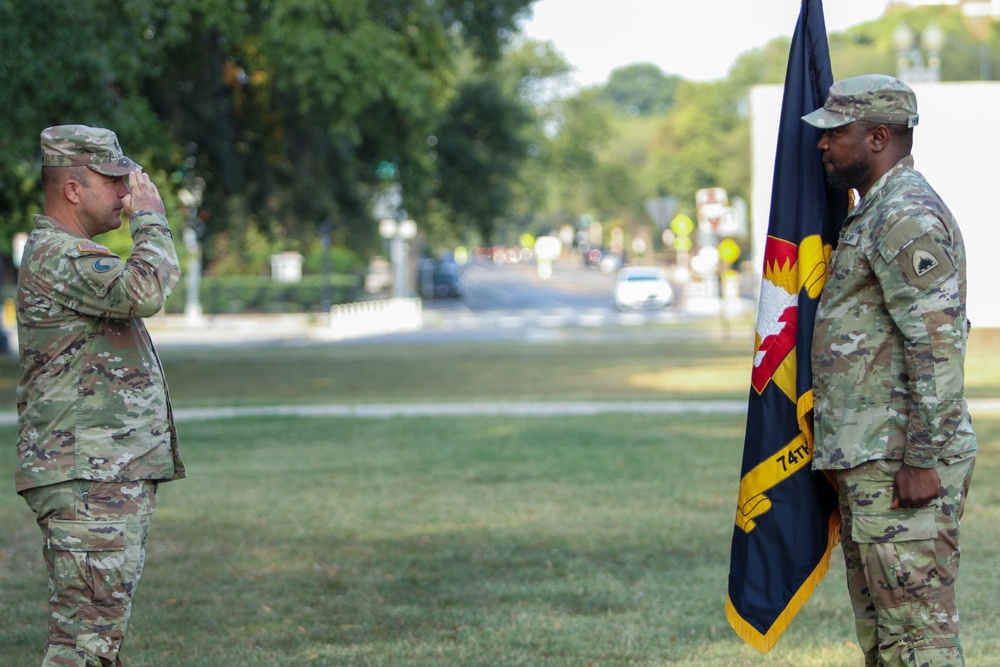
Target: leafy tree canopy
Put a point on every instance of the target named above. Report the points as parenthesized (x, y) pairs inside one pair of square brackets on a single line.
[(641, 89), (283, 109), (647, 134)]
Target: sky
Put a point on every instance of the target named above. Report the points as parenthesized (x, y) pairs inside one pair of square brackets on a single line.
[(697, 39)]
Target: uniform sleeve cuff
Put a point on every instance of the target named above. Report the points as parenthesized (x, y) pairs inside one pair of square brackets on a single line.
[(920, 459), (137, 218)]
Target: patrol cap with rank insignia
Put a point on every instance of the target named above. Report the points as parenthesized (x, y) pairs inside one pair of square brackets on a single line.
[(80, 145), (873, 97)]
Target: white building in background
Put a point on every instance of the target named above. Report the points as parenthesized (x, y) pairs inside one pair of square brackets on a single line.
[(954, 146), (970, 7)]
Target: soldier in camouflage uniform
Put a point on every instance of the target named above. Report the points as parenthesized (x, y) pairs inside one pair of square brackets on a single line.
[(95, 429), (891, 421)]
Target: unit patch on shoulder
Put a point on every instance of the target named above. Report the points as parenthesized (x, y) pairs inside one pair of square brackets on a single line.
[(99, 271), (91, 248), (102, 265), (923, 262)]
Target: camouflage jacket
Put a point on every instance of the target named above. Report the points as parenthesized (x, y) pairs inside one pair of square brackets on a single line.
[(92, 401), (890, 332)]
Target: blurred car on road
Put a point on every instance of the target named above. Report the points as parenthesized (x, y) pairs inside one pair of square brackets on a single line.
[(441, 279), (601, 258), (642, 287)]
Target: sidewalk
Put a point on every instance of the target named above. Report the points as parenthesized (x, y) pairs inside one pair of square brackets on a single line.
[(503, 409)]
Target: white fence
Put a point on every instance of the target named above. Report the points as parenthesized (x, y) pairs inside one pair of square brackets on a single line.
[(367, 318)]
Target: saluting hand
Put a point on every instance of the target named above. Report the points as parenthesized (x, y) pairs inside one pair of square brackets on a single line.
[(142, 195)]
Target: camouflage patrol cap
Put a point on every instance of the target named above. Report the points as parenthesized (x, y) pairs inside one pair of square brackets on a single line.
[(872, 97), (80, 145)]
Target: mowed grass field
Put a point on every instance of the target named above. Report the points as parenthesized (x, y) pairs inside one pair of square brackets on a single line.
[(467, 540)]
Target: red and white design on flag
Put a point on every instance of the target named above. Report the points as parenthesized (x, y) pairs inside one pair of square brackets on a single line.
[(778, 313)]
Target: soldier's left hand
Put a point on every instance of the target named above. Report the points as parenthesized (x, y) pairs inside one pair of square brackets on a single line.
[(915, 487)]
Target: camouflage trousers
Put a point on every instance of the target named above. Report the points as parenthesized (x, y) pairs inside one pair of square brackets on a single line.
[(902, 566), (95, 545)]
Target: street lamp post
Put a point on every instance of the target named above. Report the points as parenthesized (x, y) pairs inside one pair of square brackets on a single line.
[(190, 198), (324, 230), (398, 233), (910, 58)]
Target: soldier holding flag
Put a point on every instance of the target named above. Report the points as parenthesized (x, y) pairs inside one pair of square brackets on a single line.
[(891, 422)]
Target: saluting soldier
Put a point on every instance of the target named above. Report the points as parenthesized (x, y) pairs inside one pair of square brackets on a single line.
[(95, 429), (891, 420)]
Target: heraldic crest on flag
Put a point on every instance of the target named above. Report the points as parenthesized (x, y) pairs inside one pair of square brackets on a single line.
[(786, 520), (788, 270)]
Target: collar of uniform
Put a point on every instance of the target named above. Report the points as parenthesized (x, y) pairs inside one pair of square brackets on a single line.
[(45, 221), (48, 222), (873, 192)]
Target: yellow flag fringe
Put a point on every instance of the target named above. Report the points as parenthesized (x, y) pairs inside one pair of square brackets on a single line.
[(765, 642)]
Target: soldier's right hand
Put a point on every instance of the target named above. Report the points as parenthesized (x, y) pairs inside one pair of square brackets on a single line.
[(142, 195)]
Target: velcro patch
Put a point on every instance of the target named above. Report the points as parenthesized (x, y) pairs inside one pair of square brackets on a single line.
[(902, 232), (91, 248), (925, 262)]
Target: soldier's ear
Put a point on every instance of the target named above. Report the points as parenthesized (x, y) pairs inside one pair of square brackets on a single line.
[(72, 190), (879, 137)]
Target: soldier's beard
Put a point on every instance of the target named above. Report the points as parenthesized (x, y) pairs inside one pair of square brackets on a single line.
[(849, 176)]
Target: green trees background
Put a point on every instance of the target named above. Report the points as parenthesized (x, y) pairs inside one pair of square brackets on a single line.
[(295, 112)]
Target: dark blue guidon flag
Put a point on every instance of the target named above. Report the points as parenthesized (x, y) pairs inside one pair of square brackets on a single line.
[(787, 521)]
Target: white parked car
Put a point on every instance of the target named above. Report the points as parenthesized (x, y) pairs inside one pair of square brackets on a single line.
[(642, 287)]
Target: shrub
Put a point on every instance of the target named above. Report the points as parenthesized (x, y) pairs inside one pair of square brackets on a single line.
[(261, 294)]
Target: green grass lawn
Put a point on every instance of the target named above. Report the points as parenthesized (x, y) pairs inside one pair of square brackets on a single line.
[(463, 541), (696, 363)]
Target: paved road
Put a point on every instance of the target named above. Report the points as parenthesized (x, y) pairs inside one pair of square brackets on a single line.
[(502, 302), (506, 302)]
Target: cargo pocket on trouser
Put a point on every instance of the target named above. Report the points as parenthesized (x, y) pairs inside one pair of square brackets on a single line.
[(899, 554), (89, 595)]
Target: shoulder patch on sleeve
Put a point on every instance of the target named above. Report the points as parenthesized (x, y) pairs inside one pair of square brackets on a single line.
[(91, 248), (925, 263), (99, 270), (901, 232)]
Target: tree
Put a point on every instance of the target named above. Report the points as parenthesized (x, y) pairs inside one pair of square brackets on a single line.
[(480, 147), (665, 136), (694, 149), (66, 62), (283, 108), (640, 89)]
